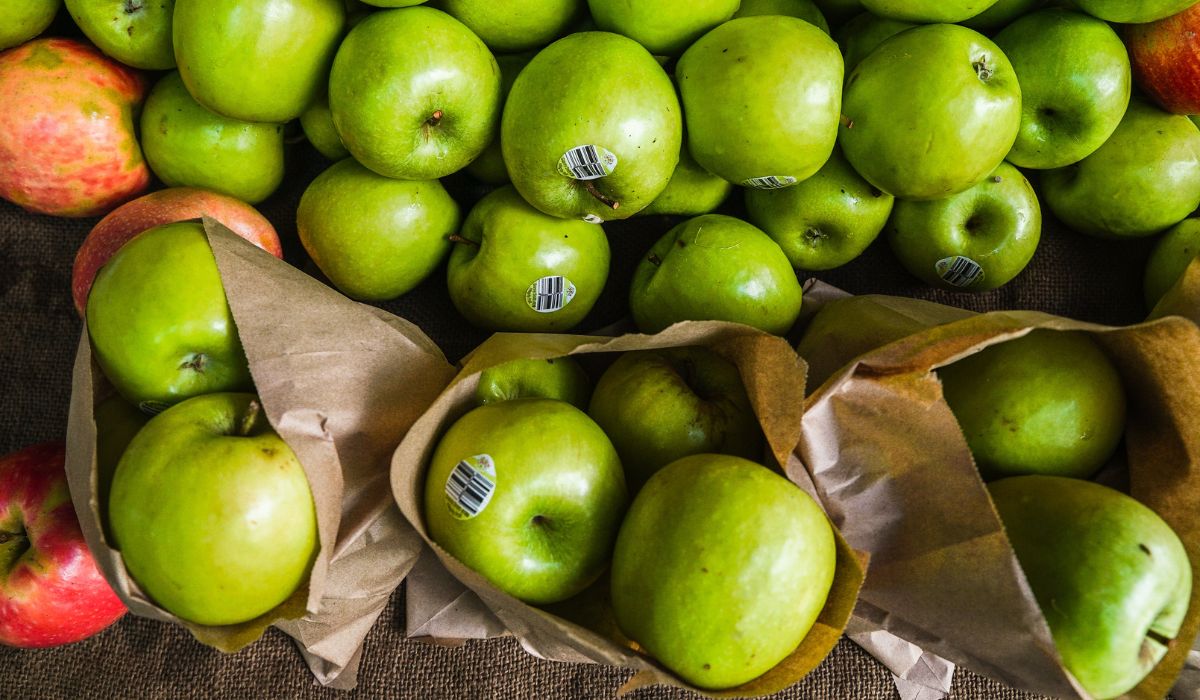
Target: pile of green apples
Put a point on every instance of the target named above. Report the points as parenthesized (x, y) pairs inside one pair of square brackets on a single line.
[(210, 509), (720, 566)]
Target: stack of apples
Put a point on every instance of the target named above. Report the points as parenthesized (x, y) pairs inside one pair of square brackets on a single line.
[(719, 567)]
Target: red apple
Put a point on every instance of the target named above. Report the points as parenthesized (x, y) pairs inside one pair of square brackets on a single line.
[(67, 140), (1166, 60), (51, 592), (164, 207)]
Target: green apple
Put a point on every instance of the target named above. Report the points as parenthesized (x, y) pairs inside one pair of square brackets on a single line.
[(1047, 403), (692, 190), (159, 324), (1001, 14), (375, 238), (1139, 12), (135, 32), (761, 98), (717, 268), (905, 136), (864, 33), (1144, 179), (560, 378), (660, 405), (1171, 257), (117, 422), (1112, 579), (1075, 85), (187, 145), (666, 27), (825, 221), (721, 569), (488, 166), (838, 11), (806, 10), (529, 493), (260, 61), (974, 241), (415, 95), (514, 268), (317, 123), (394, 3), (516, 25), (928, 11), (24, 20), (592, 128), (212, 511)]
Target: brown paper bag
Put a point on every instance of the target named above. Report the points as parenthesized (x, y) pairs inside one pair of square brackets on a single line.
[(342, 383), (894, 470), (583, 629)]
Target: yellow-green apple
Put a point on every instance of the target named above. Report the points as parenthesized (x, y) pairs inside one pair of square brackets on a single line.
[(188, 145), (212, 512), (1144, 179), (721, 569), (374, 237), (660, 405), (825, 221), (1001, 14), (514, 268), (23, 21), (158, 208), (117, 422), (317, 123), (1126, 12), (489, 166), (1166, 60), (414, 94), (928, 11), (394, 3), (1075, 85), (692, 190), (530, 494), (1111, 577), (1047, 403), (1170, 258), (135, 32), (974, 241), (67, 141), (715, 268), (806, 10), (902, 133), (51, 591), (864, 33), (761, 98), (257, 62), (561, 378), (516, 25), (160, 326), (609, 165), (666, 27)]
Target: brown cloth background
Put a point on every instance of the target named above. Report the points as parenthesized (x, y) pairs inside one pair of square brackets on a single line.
[(1072, 275)]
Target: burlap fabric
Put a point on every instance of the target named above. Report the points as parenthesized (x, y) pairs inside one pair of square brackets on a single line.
[(1072, 275)]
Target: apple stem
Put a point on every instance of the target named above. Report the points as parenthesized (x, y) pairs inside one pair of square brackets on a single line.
[(6, 537), (250, 418), (655, 260), (605, 199), (846, 121), (455, 238)]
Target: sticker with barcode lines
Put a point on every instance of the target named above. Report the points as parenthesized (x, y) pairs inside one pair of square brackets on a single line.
[(773, 182), (587, 162), (550, 294), (959, 271), (470, 486)]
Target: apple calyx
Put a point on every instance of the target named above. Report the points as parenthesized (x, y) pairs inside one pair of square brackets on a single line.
[(604, 199), (133, 7), (435, 118), (197, 362), (655, 260), (983, 68), (12, 546)]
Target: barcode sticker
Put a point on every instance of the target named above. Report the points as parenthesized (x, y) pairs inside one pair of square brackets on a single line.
[(153, 408), (587, 163), (550, 294), (773, 182), (470, 486), (959, 271)]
